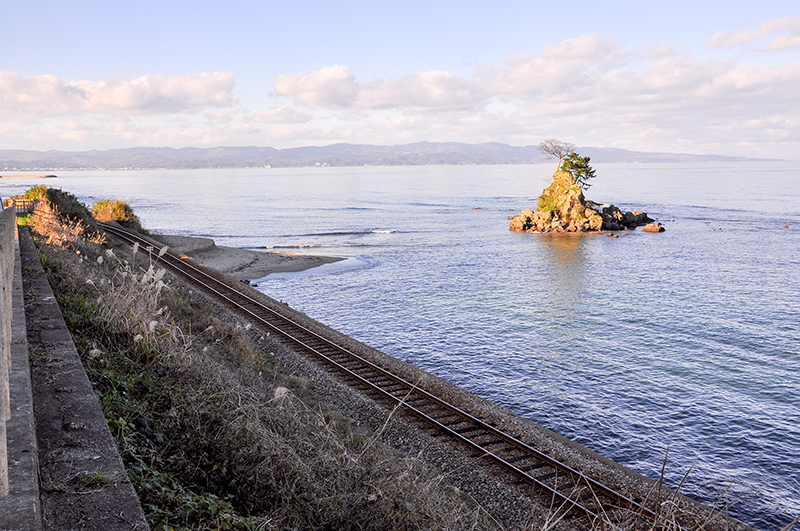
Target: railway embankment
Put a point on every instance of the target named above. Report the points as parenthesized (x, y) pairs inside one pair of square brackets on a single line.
[(219, 423), (213, 430)]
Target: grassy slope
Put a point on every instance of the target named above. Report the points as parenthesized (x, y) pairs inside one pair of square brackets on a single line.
[(213, 433)]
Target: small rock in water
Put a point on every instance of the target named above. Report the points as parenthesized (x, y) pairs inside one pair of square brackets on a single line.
[(653, 227)]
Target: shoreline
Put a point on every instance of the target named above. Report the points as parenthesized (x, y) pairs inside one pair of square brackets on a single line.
[(242, 264)]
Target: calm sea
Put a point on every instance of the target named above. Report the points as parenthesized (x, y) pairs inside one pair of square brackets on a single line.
[(684, 343)]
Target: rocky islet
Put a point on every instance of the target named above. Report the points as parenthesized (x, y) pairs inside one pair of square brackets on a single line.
[(562, 207)]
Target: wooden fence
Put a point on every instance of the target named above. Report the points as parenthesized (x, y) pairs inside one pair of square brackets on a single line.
[(20, 204)]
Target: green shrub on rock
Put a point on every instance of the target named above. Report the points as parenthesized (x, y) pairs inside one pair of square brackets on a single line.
[(118, 211), (36, 192), (70, 208), (579, 168), (561, 208)]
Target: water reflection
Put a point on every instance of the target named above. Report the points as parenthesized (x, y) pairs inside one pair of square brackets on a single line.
[(563, 257), (562, 333)]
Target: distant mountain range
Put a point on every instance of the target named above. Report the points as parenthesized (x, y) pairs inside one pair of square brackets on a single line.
[(420, 153)]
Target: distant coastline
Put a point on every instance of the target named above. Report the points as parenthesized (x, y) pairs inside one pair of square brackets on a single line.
[(27, 176), (417, 154)]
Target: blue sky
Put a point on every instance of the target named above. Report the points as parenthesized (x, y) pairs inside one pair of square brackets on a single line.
[(690, 77)]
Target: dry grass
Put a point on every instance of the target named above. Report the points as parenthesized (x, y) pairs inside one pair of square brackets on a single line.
[(213, 433), (55, 229)]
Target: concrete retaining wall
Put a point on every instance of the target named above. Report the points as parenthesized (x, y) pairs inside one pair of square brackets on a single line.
[(20, 510), (8, 228), (73, 442)]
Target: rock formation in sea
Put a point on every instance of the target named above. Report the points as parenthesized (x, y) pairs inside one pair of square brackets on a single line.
[(653, 227), (562, 208)]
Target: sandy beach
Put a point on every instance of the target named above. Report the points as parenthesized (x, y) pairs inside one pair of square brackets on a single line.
[(242, 264)]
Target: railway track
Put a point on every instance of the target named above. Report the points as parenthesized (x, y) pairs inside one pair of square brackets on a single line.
[(564, 487)]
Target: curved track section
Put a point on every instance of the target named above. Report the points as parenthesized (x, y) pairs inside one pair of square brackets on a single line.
[(560, 484)]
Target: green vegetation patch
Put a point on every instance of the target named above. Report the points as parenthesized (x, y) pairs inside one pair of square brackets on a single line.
[(24, 220), (116, 210), (562, 188), (36, 192), (579, 168), (70, 208)]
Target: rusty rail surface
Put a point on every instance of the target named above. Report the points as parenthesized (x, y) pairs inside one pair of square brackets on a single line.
[(563, 486)]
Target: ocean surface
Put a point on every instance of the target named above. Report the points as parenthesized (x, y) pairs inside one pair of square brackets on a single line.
[(684, 344)]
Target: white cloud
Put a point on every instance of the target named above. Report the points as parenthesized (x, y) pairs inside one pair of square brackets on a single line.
[(221, 117), (282, 115), (559, 68), (332, 86), (46, 95), (75, 131), (785, 33), (336, 87), (422, 92), (589, 90), (236, 129)]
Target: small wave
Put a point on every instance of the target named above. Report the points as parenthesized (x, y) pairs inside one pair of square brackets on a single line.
[(348, 264), (332, 233), (423, 204), (214, 237), (290, 247), (342, 233)]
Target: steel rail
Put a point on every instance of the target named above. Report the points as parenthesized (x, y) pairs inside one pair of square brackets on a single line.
[(224, 291)]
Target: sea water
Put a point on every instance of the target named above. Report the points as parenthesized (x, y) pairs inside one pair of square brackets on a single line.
[(683, 345)]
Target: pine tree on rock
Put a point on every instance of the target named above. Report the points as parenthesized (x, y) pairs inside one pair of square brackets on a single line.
[(579, 168)]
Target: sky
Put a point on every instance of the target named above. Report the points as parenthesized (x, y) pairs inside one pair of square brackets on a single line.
[(709, 76)]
